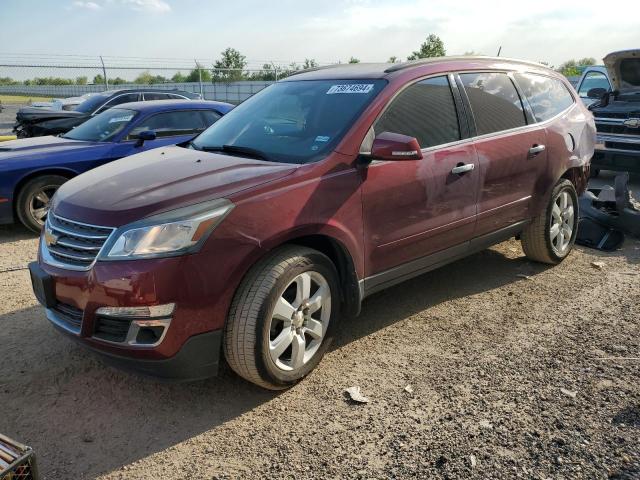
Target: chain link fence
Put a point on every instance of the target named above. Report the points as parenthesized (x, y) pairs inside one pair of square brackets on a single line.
[(62, 76)]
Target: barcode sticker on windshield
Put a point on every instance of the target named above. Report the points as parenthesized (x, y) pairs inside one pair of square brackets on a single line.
[(351, 88), (123, 118)]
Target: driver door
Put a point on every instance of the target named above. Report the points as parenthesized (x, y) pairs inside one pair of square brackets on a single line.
[(420, 212)]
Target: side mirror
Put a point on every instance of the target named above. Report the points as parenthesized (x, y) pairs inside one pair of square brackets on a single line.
[(596, 93), (145, 136), (394, 146)]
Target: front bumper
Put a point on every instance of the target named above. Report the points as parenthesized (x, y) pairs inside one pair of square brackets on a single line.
[(189, 347), (617, 152)]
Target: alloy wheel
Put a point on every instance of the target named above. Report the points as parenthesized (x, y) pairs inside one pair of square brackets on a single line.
[(39, 203), (299, 321), (562, 223)]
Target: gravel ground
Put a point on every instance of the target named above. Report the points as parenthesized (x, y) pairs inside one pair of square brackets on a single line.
[(516, 370)]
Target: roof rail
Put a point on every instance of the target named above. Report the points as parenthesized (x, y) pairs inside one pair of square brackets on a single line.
[(423, 61), (314, 69)]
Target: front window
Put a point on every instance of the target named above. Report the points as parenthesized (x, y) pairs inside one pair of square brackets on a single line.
[(292, 121), (593, 80), (103, 127)]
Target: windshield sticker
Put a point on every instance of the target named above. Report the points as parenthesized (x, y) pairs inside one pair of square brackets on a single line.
[(322, 138), (351, 88), (123, 118)]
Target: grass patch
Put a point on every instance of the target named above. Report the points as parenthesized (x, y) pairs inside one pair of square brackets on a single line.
[(22, 99)]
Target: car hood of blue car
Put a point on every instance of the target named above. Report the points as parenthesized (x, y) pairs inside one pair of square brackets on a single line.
[(39, 147)]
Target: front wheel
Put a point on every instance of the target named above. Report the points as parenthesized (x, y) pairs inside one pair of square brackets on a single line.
[(32, 202), (282, 317), (550, 236)]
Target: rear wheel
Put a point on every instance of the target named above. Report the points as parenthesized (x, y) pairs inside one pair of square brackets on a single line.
[(32, 202), (282, 317), (551, 235)]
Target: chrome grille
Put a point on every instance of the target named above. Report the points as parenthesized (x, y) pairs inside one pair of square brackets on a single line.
[(73, 244)]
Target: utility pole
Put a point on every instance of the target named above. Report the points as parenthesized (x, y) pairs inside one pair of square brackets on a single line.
[(199, 78), (104, 73), (499, 50)]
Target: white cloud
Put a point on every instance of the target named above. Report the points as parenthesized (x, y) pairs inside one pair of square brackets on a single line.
[(87, 5), (158, 6)]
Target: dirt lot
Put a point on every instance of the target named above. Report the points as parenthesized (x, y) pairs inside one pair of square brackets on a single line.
[(517, 370)]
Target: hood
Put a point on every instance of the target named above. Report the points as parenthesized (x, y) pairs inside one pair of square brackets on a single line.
[(35, 115), (624, 69), (41, 146), (157, 181)]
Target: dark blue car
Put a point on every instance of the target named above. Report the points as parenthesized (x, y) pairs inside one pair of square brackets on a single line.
[(32, 169)]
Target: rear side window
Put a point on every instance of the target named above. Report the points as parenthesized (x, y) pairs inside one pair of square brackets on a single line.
[(547, 96), (424, 110), (494, 101), (155, 96), (170, 124)]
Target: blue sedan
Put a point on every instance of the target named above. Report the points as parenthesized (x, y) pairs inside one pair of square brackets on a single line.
[(32, 169)]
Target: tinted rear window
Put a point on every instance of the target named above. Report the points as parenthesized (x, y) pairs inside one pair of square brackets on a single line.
[(424, 110), (494, 101), (547, 96)]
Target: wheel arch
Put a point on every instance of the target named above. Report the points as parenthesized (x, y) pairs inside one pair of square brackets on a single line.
[(19, 185)]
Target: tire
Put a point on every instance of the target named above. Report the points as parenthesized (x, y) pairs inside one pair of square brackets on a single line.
[(538, 240), (32, 202), (256, 336)]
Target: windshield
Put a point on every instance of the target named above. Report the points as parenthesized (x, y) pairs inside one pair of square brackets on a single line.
[(103, 127), (93, 102), (291, 121)]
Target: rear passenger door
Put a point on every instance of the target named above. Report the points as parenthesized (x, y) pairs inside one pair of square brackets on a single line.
[(510, 146), (416, 208)]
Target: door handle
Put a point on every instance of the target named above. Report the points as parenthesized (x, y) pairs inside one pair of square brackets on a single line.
[(462, 168), (536, 149)]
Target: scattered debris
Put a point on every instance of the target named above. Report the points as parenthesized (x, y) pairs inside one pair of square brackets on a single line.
[(598, 265), (569, 393), (486, 424), (526, 277), (408, 389), (355, 395), (473, 460)]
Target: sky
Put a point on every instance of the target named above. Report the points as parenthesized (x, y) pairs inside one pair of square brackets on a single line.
[(328, 31)]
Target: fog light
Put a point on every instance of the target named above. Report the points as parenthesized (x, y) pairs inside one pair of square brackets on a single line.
[(155, 311)]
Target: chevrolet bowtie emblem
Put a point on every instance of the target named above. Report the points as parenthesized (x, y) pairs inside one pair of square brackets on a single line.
[(50, 238), (632, 123)]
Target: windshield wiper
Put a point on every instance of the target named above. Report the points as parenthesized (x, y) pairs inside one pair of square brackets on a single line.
[(247, 151)]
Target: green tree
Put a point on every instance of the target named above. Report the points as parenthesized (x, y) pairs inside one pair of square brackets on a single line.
[(81, 80), (393, 59), (8, 81), (98, 80), (197, 73), (571, 68), (354, 60), (230, 67), (118, 81), (433, 47), (178, 78), (309, 63), (146, 78)]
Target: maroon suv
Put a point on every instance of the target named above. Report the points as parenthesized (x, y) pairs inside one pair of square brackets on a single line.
[(257, 237)]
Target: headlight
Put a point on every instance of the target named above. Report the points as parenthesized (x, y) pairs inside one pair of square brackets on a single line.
[(168, 234)]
